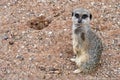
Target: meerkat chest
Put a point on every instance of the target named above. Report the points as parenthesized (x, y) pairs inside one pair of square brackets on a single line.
[(77, 42), (79, 35), (80, 38)]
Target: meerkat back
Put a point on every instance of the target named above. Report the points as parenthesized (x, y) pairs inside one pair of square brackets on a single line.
[(95, 47)]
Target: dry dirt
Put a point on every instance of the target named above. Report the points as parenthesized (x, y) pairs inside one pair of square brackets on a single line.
[(30, 54)]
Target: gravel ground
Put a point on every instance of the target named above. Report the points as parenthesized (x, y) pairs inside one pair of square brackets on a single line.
[(30, 53)]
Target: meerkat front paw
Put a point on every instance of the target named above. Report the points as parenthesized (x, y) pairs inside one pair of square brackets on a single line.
[(77, 71)]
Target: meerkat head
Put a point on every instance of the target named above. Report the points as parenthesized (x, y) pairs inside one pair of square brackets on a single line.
[(81, 16)]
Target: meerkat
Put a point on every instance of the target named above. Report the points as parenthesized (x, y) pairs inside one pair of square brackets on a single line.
[(87, 46)]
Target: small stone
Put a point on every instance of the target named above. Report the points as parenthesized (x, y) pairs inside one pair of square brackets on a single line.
[(61, 55), (41, 1), (23, 17), (50, 33), (8, 71), (40, 38), (35, 46), (23, 32), (65, 29), (31, 58), (52, 69), (20, 57), (42, 68), (92, 3), (22, 47), (30, 37), (5, 6), (11, 42), (9, 4), (49, 57), (58, 72), (74, 0), (5, 37)]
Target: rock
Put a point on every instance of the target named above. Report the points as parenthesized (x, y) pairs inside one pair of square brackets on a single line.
[(54, 70), (42, 68), (5, 37), (31, 58), (20, 57), (61, 55), (11, 42)]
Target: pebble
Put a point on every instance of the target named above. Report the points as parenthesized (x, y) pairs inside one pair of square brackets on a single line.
[(74, 0), (49, 57), (11, 42), (54, 70), (50, 32), (22, 47), (5, 37), (20, 57), (65, 29), (5, 6), (41, 1), (61, 55), (30, 36), (23, 32), (8, 4), (31, 58), (92, 3), (42, 68), (8, 71)]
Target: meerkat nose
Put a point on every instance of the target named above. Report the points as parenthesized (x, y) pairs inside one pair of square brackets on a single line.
[(79, 20)]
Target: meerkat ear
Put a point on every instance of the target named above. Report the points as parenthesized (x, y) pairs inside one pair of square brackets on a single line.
[(72, 13), (90, 16)]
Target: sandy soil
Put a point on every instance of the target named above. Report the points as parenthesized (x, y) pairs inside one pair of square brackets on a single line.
[(31, 54)]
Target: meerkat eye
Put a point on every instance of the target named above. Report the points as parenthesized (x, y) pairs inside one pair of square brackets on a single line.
[(84, 16), (77, 15)]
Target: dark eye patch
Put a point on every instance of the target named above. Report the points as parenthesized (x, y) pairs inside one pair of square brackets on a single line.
[(84, 16), (77, 15)]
